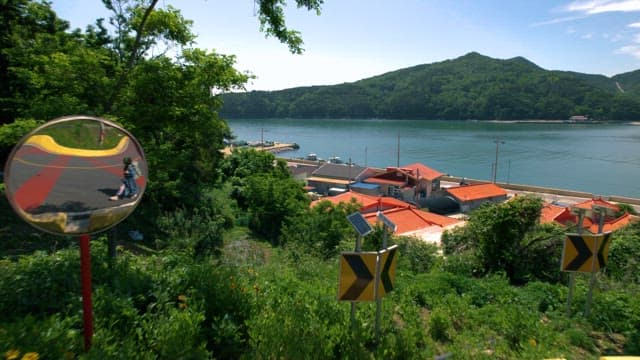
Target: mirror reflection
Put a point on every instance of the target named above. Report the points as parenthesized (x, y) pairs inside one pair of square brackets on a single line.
[(76, 175)]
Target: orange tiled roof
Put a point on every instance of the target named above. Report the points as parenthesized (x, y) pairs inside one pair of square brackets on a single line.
[(415, 171), (563, 215), (551, 212), (476, 191), (410, 219), (599, 202), (614, 224), (368, 202), (422, 171)]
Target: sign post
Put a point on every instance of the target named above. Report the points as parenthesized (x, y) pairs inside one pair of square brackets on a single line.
[(388, 224), (85, 274), (572, 277), (597, 249), (367, 276), (587, 254), (363, 228)]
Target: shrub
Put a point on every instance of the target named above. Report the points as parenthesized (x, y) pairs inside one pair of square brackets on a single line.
[(53, 337), (507, 238), (198, 231), (296, 319), (39, 284), (624, 255), (439, 325), (417, 256), (464, 263), (319, 230)]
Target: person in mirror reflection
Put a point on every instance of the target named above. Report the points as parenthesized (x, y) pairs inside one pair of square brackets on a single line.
[(129, 188)]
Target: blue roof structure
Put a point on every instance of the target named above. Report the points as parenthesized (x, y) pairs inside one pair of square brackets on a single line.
[(361, 185)]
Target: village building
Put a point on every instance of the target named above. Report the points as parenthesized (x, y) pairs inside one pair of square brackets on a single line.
[(591, 221), (417, 223), (332, 179), (410, 221), (411, 182), (369, 203), (301, 170), (470, 197)]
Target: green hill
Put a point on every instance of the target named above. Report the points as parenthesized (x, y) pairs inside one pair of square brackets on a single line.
[(473, 86)]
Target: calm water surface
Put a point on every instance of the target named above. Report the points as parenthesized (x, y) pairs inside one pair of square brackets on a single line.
[(603, 159)]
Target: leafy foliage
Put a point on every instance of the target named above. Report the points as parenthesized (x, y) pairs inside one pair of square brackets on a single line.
[(506, 237), (189, 298), (319, 230), (420, 256), (624, 255)]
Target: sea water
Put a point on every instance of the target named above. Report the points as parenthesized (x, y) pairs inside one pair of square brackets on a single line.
[(603, 159)]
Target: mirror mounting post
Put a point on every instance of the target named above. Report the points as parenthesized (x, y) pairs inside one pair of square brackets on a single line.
[(85, 273)]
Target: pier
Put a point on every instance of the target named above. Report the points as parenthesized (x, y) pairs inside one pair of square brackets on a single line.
[(272, 147)]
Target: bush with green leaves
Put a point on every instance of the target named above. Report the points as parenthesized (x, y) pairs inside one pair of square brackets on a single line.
[(195, 231), (319, 229), (40, 284), (51, 337), (417, 255), (507, 237), (296, 318), (624, 255)]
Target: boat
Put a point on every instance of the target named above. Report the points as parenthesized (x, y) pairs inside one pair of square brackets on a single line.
[(335, 160)]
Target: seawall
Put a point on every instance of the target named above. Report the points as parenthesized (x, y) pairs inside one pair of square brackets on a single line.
[(553, 191)]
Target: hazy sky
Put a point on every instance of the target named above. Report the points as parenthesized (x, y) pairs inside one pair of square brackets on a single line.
[(356, 39)]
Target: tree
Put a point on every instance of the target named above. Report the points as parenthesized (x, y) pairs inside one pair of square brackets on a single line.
[(508, 237), (271, 200), (45, 72), (238, 167), (151, 25), (169, 109), (320, 229)]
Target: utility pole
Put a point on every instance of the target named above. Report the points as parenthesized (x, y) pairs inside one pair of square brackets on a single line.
[(495, 166), (349, 182), (365, 156), (398, 153)]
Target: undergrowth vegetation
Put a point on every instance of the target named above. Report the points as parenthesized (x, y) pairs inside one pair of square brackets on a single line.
[(253, 300), (230, 259)]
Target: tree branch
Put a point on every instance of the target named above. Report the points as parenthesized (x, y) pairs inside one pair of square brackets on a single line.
[(133, 56)]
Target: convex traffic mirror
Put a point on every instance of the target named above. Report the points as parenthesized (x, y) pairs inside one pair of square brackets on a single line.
[(75, 175)]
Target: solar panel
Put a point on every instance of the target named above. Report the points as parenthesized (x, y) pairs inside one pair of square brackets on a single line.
[(359, 223), (387, 221)]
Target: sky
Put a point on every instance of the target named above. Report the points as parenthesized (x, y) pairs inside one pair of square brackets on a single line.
[(355, 39)]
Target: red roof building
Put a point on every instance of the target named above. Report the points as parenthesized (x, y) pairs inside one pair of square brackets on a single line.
[(415, 222), (472, 196), (410, 182), (591, 221), (368, 203)]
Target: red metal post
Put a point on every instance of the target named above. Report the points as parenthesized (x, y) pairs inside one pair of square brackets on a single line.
[(85, 276)]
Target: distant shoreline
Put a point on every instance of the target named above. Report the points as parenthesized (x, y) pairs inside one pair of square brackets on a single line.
[(569, 122)]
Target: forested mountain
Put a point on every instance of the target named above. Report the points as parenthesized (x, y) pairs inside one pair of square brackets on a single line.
[(470, 87)]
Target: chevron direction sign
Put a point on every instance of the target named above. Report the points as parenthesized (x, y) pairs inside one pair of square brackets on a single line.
[(388, 259), (367, 276), (585, 253), (357, 275)]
